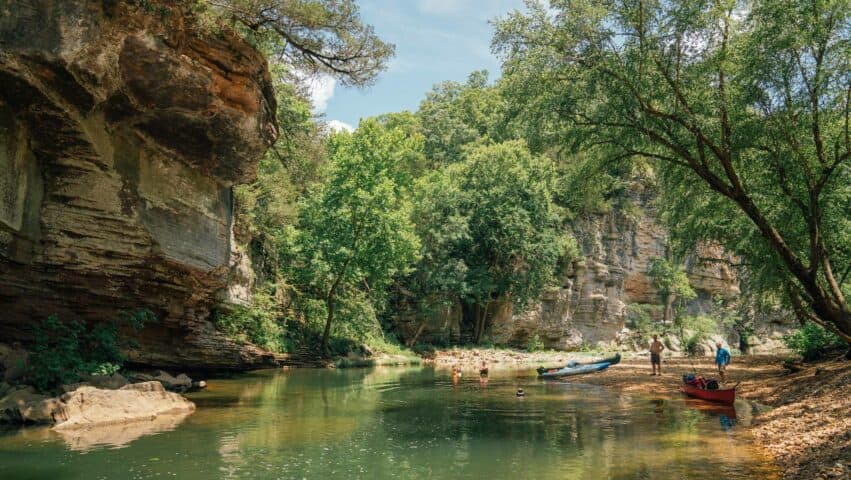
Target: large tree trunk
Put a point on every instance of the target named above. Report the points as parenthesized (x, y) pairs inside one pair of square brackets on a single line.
[(329, 303), (420, 329), (830, 321), (668, 312), (481, 322)]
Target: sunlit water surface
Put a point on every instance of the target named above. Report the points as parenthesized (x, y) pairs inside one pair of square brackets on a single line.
[(403, 423)]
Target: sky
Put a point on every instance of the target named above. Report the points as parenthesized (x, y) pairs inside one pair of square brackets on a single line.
[(435, 40)]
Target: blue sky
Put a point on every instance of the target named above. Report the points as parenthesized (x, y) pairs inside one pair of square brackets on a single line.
[(435, 40)]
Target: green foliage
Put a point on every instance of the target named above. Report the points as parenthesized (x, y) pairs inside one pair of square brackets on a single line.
[(534, 344), (589, 348), (262, 323), (62, 351), (514, 242), (694, 330), (746, 128), (55, 357), (355, 234), (812, 342), (670, 279), (489, 231), (312, 36), (456, 117), (640, 319)]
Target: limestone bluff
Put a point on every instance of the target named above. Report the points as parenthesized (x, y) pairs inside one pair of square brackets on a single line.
[(122, 132)]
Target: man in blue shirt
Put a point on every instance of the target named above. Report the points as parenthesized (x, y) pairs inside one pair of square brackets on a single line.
[(722, 359)]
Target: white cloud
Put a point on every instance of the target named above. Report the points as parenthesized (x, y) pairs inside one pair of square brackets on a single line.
[(321, 90), (337, 126)]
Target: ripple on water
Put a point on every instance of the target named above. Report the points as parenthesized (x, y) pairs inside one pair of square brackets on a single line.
[(409, 423)]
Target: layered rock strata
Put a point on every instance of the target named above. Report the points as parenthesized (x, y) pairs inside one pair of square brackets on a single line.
[(591, 304), (122, 131)]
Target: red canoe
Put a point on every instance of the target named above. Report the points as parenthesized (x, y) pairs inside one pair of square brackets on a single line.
[(727, 395)]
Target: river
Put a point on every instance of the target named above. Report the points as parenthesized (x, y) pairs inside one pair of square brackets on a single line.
[(403, 423)]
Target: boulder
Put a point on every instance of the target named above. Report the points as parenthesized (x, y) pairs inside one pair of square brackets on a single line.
[(180, 383), (11, 404), (90, 406), (73, 386), (673, 343), (109, 382), (47, 410), (151, 386)]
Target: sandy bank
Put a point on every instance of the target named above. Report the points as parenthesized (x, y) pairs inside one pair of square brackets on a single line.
[(807, 429)]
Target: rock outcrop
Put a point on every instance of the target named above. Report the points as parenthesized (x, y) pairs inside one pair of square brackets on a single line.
[(90, 406), (617, 249), (86, 406), (591, 304), (122, 131)]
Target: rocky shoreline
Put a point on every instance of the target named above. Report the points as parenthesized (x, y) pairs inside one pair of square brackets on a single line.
[(98, 401), (94, 401)]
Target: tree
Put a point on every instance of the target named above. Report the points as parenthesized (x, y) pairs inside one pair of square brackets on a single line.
[(514, 242), (442, 226), (455, 117), (313, 36), (355, 231), (743, 107), (672, 283)]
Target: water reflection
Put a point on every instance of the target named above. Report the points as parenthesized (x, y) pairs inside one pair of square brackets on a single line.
[(118, 436), (413, 423)]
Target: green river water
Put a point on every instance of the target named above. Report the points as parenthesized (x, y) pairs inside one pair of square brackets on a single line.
[(403, 423)]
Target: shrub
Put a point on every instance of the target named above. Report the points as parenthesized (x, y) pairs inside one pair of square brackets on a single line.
[(63, 351), (695, 329), (534, 344), (261, 323), (812, 342), (55, 357), (425, 350), (691, 343), (640, 319)]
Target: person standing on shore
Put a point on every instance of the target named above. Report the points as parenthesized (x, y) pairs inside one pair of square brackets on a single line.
[(722, 359), (656, 348)]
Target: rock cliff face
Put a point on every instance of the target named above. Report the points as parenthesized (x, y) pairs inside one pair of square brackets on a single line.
[(617, 248), (121, 134), (591, 303)]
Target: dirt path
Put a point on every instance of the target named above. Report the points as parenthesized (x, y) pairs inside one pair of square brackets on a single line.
[(808, 428)]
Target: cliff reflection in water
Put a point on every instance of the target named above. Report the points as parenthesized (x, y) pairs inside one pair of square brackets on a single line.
[(415, 423)]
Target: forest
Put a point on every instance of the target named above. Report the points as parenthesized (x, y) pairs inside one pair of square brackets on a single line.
[(738, 114)]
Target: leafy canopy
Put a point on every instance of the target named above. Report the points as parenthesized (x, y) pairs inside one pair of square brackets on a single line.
[(742, 106), (355, 233), (312, 36)]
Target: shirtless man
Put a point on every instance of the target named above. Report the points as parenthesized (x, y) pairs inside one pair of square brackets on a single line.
[(656, 348)]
